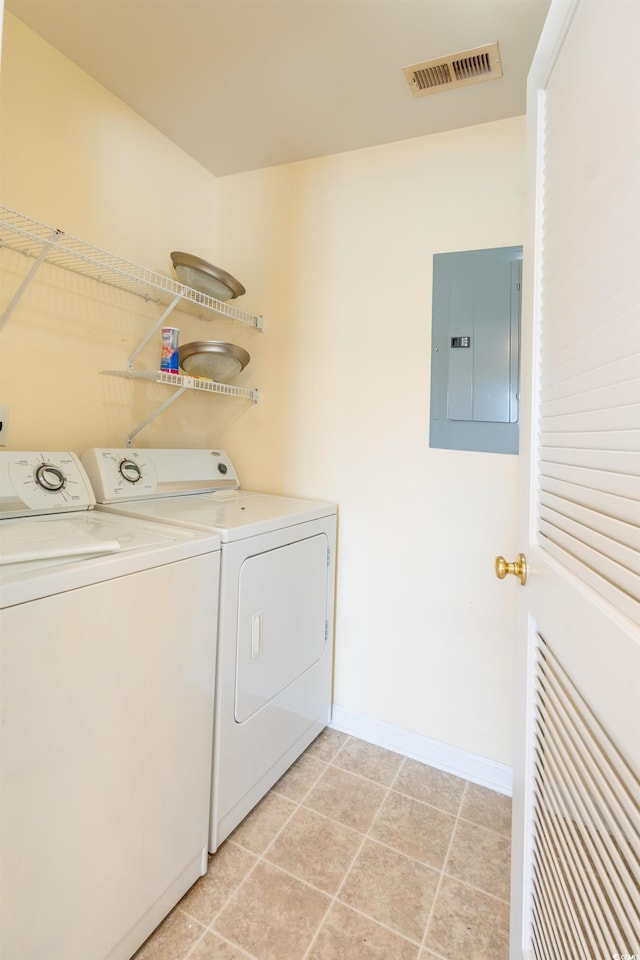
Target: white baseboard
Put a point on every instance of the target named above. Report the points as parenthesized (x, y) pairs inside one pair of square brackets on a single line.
[(488, 773)]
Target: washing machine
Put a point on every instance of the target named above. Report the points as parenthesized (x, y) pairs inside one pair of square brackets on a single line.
[(275, 630), (107, 669)]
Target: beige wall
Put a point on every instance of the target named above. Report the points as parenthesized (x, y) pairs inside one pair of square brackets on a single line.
[(337, 253)]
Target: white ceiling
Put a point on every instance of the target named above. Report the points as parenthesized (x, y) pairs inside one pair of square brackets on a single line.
[(245, 84)]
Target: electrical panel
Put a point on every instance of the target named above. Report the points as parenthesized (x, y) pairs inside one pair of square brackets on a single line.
[(476, 350)]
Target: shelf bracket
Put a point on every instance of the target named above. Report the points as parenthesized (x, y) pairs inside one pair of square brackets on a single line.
[(156, 412), (47, 247), (174, 303)]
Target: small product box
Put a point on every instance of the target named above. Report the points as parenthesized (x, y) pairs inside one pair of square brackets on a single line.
[(169, 357)]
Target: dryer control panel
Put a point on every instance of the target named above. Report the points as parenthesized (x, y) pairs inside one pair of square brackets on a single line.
[(42, 482), (119, 475)]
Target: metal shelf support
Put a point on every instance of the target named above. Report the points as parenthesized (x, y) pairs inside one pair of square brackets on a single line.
[(151, 332), (156, 412), (181, 383), (46, 249)]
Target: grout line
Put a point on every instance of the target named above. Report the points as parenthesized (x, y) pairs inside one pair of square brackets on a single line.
[(236, 946), (323, 816), (360, 776), (471, 886), (423, 945), (335, 897), (199, 940), (401, 853), (274, 789), (474, 823), (438, 956), (434, 805), (379, 923), (398, 772), (347, 738)]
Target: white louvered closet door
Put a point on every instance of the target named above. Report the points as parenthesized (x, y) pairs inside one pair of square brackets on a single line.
[(576, 851)]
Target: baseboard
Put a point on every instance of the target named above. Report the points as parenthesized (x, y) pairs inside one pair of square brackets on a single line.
[(470, 766)]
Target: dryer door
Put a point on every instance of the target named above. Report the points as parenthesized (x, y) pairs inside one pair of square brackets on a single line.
[(282, 620)]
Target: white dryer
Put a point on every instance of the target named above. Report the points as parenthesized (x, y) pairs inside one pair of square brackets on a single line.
[(107, 662), (275, 635)]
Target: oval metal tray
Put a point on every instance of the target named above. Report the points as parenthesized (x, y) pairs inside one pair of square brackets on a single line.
[(212, 359), (204, 277)]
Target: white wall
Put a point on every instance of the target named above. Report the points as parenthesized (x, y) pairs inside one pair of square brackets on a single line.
[(337, 253), (424, 630)]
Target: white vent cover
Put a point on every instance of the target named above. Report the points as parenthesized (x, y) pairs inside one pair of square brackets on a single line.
[(456, 70)]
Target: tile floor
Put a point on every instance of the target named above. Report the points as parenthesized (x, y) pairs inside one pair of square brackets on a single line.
[(356, 854)]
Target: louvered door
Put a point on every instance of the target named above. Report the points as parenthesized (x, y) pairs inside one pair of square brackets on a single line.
[(576, 852)]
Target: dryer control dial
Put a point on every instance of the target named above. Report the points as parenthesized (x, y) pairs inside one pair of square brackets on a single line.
[(49, 477), (120, 474), (130, 471)]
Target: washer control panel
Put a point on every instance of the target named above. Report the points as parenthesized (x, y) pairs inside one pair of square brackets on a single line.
[(118, 475), (39, 482)]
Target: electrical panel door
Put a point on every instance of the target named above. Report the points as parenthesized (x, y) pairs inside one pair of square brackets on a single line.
[(475, 350)]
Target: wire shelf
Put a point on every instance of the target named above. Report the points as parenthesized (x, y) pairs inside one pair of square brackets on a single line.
[(33, 238), (189, 383)]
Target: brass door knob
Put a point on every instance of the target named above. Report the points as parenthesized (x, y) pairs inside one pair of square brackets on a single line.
[(518, 568)]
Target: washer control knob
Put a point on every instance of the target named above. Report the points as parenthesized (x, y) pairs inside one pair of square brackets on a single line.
[(130, 471), (49, 477), (222, 468)]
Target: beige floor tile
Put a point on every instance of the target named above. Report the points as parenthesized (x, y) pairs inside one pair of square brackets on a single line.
[(259, 828), (469, 924), (393, 889), (414, 828), (274, 916), (212, 947), (369, 761), (227, 869), (172, 940), (488, 808), (425, 783), (347, 798), (299, 778), (315, 849), (347, 935), (326, 745), (482, 858)]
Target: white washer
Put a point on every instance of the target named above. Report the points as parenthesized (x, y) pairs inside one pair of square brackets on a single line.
[(107, 672), (275, 648)]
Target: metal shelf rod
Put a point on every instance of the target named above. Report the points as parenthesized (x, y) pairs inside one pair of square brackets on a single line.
[(156, 412), (153, 329), (46, 249)]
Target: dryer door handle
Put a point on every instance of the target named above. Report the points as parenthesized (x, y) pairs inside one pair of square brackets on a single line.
[(256, 634)]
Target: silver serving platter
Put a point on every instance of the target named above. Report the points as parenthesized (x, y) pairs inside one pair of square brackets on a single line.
[(204, 277), (212, 359)]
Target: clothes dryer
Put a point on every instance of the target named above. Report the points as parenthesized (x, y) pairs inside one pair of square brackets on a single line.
[(275, 632), (107, 655)]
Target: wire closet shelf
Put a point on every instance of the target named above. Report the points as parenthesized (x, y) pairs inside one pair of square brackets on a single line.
[(42, 242)]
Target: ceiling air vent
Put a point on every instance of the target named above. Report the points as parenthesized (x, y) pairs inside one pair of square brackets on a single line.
[(456, 70)]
